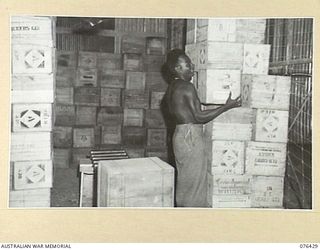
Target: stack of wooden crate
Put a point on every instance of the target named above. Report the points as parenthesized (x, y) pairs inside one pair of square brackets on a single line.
[(246, 146), (112, 100), (32, 89)]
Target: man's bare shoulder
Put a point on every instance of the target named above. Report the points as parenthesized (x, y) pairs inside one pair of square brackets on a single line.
[(184, 86)]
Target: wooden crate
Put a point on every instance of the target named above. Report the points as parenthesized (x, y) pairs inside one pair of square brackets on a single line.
[(136, 99), (32, 30), (37, 88), (61, 157), (156, 45), (265, 91), (161, 153), (135, 80), (133, 44), (134, 136), (65, 115), (109, 61), (217, 30), (112, 78), (30, 146), (110, 97), (155, 82), (225, 157), (218, 84), (66, 59), (267, 191), (86, 115), (233, 125), (256, 59), (64, 95), (31, 117), (156, 99), (87, 96), (133, 117), (220, 55), (153, 63), (83, 137), (65, 77), (32, 174), (271, 125), (134, 152), (149, 182), (229, 191), (32, 59), (87, 60), (110, 116), (32, 198), (157, 137), (62, 136), (250, 30), (155, 119), (111, 135), (265, 158), (133, 62), (86, 77)]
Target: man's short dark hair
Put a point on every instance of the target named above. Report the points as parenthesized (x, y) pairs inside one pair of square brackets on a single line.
[(172, 59)]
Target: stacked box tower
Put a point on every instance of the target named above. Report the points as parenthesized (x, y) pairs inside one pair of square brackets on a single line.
[(246, 146), (32, 95)]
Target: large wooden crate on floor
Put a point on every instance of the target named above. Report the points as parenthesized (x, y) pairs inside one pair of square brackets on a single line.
[(61, 157), (32, 174), (256, 59), (32, 198), (140, 182), (216, 85), (220, 55), (112, 78), (271, 125), (62, 136), (265, 158), (36, 88), (225, 157), (233, 125), (162, 153), (31, 117), (267, 191), (265, 91), (32, 59), (33, 30), (229, 191)]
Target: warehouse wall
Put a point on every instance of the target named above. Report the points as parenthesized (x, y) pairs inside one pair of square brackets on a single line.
[(109, 88)]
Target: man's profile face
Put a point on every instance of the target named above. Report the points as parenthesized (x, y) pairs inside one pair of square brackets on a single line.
[(185, 68)]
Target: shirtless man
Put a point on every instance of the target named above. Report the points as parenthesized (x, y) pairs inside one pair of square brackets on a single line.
[(188, 141)]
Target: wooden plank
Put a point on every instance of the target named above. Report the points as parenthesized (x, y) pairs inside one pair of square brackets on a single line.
[(136, 99), (149, 182), (133, 117), (111, 135), (110, 97), (135, 80), (134, 136), (32, 175), (86, 115), (265, 158), (110, 116), (65, 115), (30, 198), (32, 59), (30, 146), (31, 117), (271, 125), (87, 96), (61, 157), (62, 136), (64, 95)]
